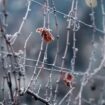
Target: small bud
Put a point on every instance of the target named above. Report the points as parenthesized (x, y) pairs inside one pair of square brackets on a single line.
[(67, 78), (76, 49), (20, 52), (8, 36)]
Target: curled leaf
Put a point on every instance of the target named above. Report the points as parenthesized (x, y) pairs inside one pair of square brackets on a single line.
[(46, 34)]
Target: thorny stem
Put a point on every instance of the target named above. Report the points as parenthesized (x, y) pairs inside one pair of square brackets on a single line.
[(23, 21), (38, 72), (40, 53), (41, 67), (72, 17), (9, 77), (3, 60), (9, 47), (57, 31), (68, 93), (46, 49), (75, 28), (49, 82), (65, 52), (24, 61), (35, 67), (87, 74), (6, 73), (103, 24)]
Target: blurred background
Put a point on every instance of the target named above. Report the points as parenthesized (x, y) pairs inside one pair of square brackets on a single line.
[(16, 10)]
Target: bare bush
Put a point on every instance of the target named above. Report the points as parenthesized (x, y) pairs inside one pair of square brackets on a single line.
[(54, 57)]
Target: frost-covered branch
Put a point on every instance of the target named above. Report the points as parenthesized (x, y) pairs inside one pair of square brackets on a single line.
[(23, 21)]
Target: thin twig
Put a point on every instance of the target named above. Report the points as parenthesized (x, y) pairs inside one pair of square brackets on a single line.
[(69, 16), (68, 93), (23, 21), (36, 97)]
